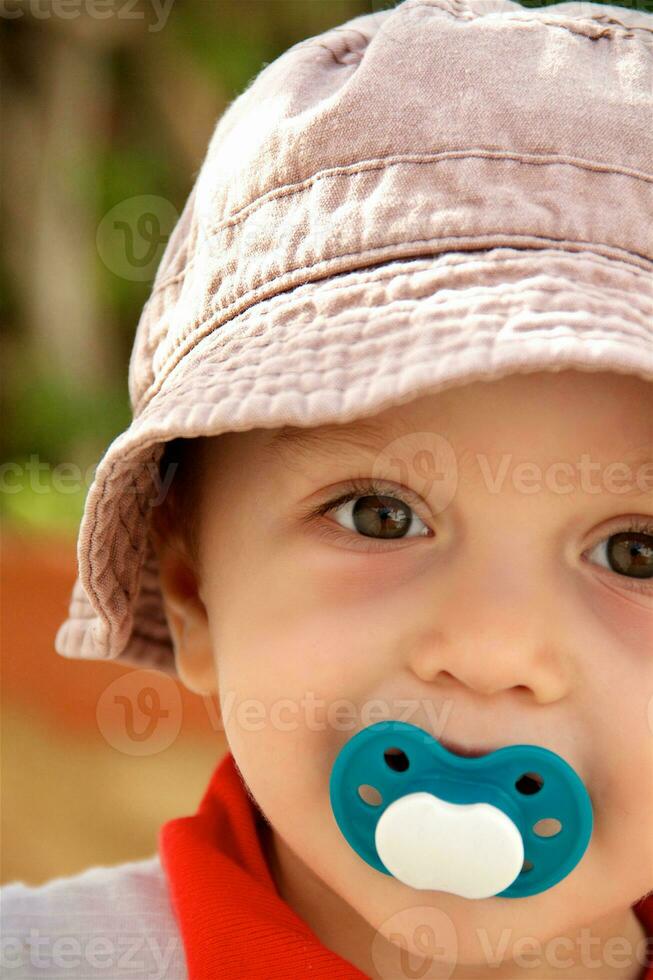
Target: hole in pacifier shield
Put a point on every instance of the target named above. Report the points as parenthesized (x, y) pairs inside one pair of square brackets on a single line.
[(547, 827), (418, 942), (140, 713), (396, 759), (530, 783), (370, 795)]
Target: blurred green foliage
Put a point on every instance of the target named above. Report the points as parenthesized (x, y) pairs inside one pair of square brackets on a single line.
[(230, 57), (54, 433), (40, 506)]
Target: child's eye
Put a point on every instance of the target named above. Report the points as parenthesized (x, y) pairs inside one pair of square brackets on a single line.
[(372, 511), (379, 516), (629, 554)]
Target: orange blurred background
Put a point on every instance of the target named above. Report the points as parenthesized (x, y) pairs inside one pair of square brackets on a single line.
[(73, 792)]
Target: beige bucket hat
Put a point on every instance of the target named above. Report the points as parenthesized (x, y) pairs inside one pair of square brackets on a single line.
[(428, 195)]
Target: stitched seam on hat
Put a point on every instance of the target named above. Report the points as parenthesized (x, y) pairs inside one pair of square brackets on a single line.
[(192, 336), (194, 332), (351, 30), (133, 483), (634, 342), (382, 163), (458, 9), (339, 287), (391, 273), (569, 22), (347, 46), (325, 47), (517, 257), (306, 268), (227, 368), (195, 335), (244, 296), (597, 333), (403, 315), (605, 19), (294, 293)]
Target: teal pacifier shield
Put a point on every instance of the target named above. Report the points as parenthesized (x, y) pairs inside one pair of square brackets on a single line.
[(511, 823)]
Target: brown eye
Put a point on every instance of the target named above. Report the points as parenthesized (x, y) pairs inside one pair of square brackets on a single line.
[(628, 553), (383, 517)]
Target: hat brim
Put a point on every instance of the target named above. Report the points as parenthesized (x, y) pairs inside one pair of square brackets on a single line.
[(333, 351)]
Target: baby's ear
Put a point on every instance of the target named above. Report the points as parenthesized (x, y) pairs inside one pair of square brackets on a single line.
[(186, 615)]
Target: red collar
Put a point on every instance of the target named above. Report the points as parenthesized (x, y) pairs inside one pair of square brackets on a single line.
[(232, 920), (644, 912)]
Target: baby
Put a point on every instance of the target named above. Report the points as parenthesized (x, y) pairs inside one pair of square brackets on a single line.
[(501, 600), (392, 460)]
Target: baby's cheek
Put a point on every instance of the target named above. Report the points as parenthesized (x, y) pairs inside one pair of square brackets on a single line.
[(634, 769), (622, 783), (620, 690), (628, 621)]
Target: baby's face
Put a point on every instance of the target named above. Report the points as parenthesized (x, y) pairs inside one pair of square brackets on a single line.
[(483, 606)]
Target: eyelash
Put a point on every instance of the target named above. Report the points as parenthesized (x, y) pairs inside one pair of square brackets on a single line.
[(364, 488)]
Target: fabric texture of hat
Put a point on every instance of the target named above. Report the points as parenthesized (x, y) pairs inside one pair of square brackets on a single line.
[(441, 192)]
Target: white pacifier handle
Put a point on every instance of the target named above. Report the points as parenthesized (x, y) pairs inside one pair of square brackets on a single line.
[(473, 850)]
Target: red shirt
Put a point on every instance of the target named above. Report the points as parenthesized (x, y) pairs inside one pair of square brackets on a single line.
[(232, 920)]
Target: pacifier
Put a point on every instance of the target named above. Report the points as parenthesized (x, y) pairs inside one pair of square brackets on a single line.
[(511, 823)]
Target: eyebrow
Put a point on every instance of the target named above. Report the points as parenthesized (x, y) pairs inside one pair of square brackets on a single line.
[(367, 436)]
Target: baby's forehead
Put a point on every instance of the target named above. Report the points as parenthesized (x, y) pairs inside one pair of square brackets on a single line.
[(567, 433), (543, 412), (589, 433)]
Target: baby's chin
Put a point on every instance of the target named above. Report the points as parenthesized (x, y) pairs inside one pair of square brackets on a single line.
[(464, 931)]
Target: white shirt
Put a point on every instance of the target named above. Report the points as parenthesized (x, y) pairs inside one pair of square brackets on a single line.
[(112, 922)]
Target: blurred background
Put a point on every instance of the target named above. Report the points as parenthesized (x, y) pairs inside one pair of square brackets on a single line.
[(107, 110)]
